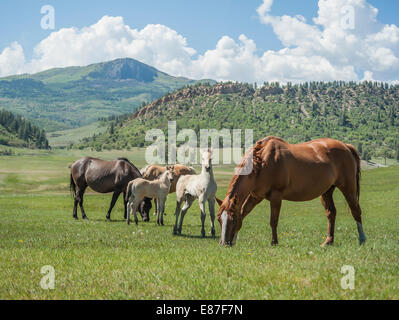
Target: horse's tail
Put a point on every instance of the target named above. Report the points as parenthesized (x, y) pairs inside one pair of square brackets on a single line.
[(128, 192), (72, 186), (355, 154)]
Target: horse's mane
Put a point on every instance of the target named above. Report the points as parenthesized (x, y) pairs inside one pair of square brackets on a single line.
[(134, 167), (257, 162)]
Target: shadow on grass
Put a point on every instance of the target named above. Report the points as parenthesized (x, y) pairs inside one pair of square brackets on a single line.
[(198, 236)]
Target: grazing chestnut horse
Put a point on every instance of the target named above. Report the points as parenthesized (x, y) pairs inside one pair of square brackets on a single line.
[(293, 172), (103, 177)]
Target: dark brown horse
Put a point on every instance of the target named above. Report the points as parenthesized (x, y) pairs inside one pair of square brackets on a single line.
[(104, 177), (294, 172)]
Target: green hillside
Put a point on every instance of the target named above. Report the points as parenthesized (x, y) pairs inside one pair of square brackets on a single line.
[(364, 114), (66, 98), (16, 131)]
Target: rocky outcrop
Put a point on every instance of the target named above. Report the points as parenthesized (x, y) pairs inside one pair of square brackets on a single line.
[(195, 91)]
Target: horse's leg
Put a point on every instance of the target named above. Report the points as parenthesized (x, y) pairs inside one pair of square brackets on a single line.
[(158, 209), (129, 210), (155, 207), (162, 211), (136, 206), (124, 205), (187, 204), (351, 199), (211, 204), (80, 199), (133, 206), (177, 213), (275, 206), (202, 203), (75, 207), (328, 203), (113, 201)]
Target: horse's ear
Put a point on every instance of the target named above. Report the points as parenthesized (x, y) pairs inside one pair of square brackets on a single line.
[(219, 201)]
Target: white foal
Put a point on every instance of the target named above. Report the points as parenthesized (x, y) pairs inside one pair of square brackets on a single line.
[(139, 188), (203, 187)]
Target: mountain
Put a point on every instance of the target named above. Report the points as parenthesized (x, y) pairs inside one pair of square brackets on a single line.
[(16, 131), (365, 114), (64, 98)]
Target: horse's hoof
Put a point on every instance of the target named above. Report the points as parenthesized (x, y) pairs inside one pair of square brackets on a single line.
[(75, 217), (136, 222), (274, 243), (203, 234), (85, 218), (329, 242)]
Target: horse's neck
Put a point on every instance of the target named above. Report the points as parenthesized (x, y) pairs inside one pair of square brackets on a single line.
[(207, 174), (243, 186), (164, 179)]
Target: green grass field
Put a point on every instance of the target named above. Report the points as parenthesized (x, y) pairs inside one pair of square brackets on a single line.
[(96, 259), (63, 138)]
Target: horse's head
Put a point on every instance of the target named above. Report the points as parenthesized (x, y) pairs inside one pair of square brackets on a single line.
[(207, 159), (230, 221), (144, 209), (170, 173)]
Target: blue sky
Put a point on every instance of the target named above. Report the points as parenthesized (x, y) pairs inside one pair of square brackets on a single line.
[(202, 23)]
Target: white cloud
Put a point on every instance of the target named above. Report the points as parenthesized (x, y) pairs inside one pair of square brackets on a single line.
[(12, 60), (108, 39), (318, 50), (370, 46)]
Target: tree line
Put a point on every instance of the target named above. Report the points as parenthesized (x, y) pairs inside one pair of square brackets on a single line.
[(22, 129)]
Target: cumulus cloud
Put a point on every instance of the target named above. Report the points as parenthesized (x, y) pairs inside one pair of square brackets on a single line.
[(109, 38), (12, 60), (321, 49), (346, 52)]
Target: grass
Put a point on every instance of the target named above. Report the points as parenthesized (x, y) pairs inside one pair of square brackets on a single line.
[(64, 138), (99, 260)]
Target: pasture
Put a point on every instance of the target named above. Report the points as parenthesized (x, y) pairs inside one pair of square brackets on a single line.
[(96, 259)]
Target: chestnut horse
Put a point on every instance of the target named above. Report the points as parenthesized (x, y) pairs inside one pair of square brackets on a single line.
[(154, 171), (293, 172), (104, 177)]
